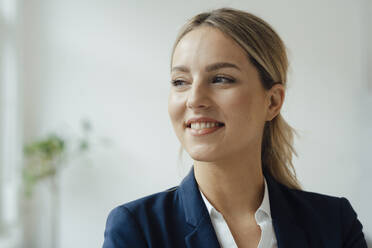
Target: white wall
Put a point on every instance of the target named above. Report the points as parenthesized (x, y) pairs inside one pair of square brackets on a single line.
[(109, 61), (10, 122)]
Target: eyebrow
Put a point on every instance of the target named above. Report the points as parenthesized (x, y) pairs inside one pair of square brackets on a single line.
[(209, 68)]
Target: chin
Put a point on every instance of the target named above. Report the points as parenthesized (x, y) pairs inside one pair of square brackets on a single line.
[(203, 155)]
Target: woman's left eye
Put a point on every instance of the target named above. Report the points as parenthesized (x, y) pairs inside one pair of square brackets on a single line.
[(221, 79)]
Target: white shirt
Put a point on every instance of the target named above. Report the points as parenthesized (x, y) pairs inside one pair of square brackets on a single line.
[(263, 219)]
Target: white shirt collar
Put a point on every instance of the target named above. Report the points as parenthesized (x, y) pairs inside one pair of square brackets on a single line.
[(264, 207)]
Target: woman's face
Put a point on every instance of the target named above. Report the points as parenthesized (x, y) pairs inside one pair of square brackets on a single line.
[(212, 77)]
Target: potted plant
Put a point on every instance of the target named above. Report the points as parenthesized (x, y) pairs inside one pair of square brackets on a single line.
[(44, 160)]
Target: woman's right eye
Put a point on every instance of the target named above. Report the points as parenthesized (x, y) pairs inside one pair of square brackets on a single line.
[(177, 82)]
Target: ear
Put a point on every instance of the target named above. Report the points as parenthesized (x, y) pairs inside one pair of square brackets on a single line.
[(274, 99)]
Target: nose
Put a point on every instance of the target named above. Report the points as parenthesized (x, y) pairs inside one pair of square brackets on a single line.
[(199, 95)]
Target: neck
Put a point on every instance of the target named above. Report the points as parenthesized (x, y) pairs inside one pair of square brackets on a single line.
[(234, 187)]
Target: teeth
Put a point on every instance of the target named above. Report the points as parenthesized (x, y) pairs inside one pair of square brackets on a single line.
[(201, 125)]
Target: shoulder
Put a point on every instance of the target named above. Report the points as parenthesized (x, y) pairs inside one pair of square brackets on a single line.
[(128, 223), (331, 212), (321, 202), (150, 204), (122, 230), (326, 206), (153, 202), (315, 201)]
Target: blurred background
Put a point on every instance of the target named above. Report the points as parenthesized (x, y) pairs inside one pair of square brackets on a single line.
[(104, 66)]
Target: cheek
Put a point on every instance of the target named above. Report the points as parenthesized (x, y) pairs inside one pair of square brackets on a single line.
[(246, 108), (175, 109)]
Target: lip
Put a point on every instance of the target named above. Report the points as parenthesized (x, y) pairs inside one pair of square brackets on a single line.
[(200, 119), (204, 132)]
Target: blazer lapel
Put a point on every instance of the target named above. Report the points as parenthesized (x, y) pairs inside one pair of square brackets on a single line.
[(288, 232), (197, 216), (202, 236)]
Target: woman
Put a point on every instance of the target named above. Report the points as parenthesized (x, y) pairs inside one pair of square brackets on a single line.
[(228, 71)]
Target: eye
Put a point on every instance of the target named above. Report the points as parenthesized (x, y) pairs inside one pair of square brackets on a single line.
[(177, 82), (223, 79)]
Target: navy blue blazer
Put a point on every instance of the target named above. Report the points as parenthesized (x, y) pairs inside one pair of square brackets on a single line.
[(178, 218)]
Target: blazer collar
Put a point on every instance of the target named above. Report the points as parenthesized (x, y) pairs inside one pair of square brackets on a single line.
[(288, 232), (196, 213)]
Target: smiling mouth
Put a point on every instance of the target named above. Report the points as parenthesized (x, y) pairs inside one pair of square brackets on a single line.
[(204, 129), (200, 126)]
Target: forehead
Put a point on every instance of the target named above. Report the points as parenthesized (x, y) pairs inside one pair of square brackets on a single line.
[(206, 45)]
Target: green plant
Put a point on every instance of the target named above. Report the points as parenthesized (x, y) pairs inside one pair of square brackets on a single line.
[(45, 157)]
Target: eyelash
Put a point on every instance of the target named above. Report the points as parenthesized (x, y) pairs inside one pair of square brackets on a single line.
[(226, 79)]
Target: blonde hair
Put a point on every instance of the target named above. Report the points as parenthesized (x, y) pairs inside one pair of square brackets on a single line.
[(267, 53)]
